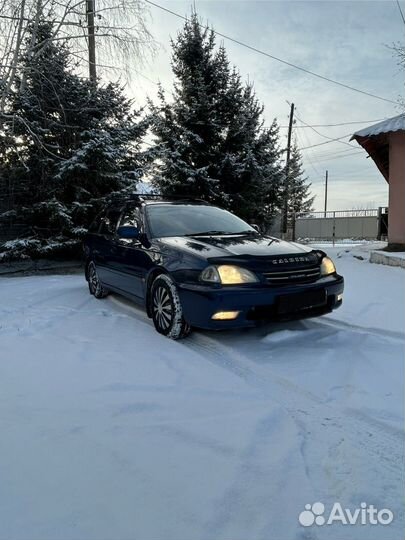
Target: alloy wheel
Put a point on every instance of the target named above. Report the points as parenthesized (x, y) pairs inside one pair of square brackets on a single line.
[(95, 286), (166, 308), (162, 308)]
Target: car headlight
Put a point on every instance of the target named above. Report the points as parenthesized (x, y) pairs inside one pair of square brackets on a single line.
[(327, 267), (227, 274)]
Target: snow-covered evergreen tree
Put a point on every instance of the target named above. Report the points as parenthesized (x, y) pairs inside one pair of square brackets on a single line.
[(249, 171), (73, 144), (300, 199), (210, 140), (188, 130)]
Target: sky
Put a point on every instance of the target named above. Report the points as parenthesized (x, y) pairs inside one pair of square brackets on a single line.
[(343, 40)]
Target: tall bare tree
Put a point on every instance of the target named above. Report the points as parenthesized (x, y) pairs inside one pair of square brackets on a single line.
[(117, 37)]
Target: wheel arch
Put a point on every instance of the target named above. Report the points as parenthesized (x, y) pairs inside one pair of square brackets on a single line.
[(86, 267)]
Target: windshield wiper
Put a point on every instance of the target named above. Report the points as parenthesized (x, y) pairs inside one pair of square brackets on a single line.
[(221, 233), (207, 233)]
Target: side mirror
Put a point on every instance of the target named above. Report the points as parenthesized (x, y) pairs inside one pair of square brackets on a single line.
[(256, 227), (128, 232)]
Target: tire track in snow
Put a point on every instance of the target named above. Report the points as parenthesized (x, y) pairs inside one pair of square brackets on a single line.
[(343, 454), (383, 443), (257, 492), (342, 325), (237, 362)]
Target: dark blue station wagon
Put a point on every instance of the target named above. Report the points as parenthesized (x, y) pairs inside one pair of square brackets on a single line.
[(195, 265)]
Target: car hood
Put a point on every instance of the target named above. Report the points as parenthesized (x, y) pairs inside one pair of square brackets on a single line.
[(235, 247)]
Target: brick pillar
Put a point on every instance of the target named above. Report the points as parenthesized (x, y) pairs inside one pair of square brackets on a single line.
[(396, 217)]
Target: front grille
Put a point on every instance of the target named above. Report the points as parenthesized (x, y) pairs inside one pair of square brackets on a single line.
[(301, 275)]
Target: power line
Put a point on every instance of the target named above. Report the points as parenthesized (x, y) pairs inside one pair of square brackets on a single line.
[(336, 152), (326, 142), (400, 10), (330, 139), (325, 136), (320, 158), (357, 153), (357, 173), (308, 156), (337, 125), (290, 64)]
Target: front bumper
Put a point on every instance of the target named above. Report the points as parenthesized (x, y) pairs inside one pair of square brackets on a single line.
[(255, 303)]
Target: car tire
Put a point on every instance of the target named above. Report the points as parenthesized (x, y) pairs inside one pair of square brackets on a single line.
[(166, 309), (95, 286)]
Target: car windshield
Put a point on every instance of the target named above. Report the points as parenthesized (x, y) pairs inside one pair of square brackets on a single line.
[(193, 220)]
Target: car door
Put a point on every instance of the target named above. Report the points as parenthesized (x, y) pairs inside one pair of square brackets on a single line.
[(131, 259), (104, 247)]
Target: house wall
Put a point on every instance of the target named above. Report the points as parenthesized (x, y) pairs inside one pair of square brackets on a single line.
[(396, 218)]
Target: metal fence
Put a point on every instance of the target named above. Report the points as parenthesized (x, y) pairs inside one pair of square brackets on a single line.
[(342, 224)]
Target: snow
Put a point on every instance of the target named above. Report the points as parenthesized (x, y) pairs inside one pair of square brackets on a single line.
[(373, 294), (394, 254), (111, 431), (396, 123), (144, 187)]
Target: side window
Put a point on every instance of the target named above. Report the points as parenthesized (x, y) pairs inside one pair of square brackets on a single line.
[(95, 225), (131, 217), (109, 222)]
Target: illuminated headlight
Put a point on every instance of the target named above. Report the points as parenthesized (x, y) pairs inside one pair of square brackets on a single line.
[(327, 267), (227, 274)]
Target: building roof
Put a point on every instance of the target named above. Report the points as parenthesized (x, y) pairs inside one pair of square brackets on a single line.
[(374, 140), (397, 123)]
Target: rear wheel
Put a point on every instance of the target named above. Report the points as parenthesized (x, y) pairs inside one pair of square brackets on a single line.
[(167, 313), (95, 286)]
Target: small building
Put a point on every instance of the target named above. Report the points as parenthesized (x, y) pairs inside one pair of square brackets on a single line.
[(385, 144)]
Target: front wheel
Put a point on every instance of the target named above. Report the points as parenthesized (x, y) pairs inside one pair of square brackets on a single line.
[(95, 286), (167, 313)]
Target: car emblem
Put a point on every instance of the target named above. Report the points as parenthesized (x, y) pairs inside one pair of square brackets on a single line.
[(287, 260)]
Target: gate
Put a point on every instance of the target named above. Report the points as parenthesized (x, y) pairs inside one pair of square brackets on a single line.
[(383, 224)]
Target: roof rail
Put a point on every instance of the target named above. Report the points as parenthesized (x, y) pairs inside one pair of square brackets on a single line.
[(139, 197)]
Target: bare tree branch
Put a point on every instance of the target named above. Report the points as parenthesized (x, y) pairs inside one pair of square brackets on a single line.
[(122, 37)]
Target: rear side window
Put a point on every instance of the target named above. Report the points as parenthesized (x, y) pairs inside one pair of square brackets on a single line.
[(95, 225), (131, 217), (109, 222)]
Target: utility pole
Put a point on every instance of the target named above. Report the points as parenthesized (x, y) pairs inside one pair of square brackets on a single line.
[(287, 171), (326, 192), (90, 9)]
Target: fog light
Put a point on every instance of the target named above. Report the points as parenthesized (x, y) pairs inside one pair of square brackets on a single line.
[(339, 297), (225, 315)]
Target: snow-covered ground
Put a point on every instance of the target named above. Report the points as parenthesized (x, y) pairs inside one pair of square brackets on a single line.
[(109, 431)]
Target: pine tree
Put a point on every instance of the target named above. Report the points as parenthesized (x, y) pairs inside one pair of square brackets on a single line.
[(300, 199), (248, 158), (73, 144), (210, 140), (187, 129)]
